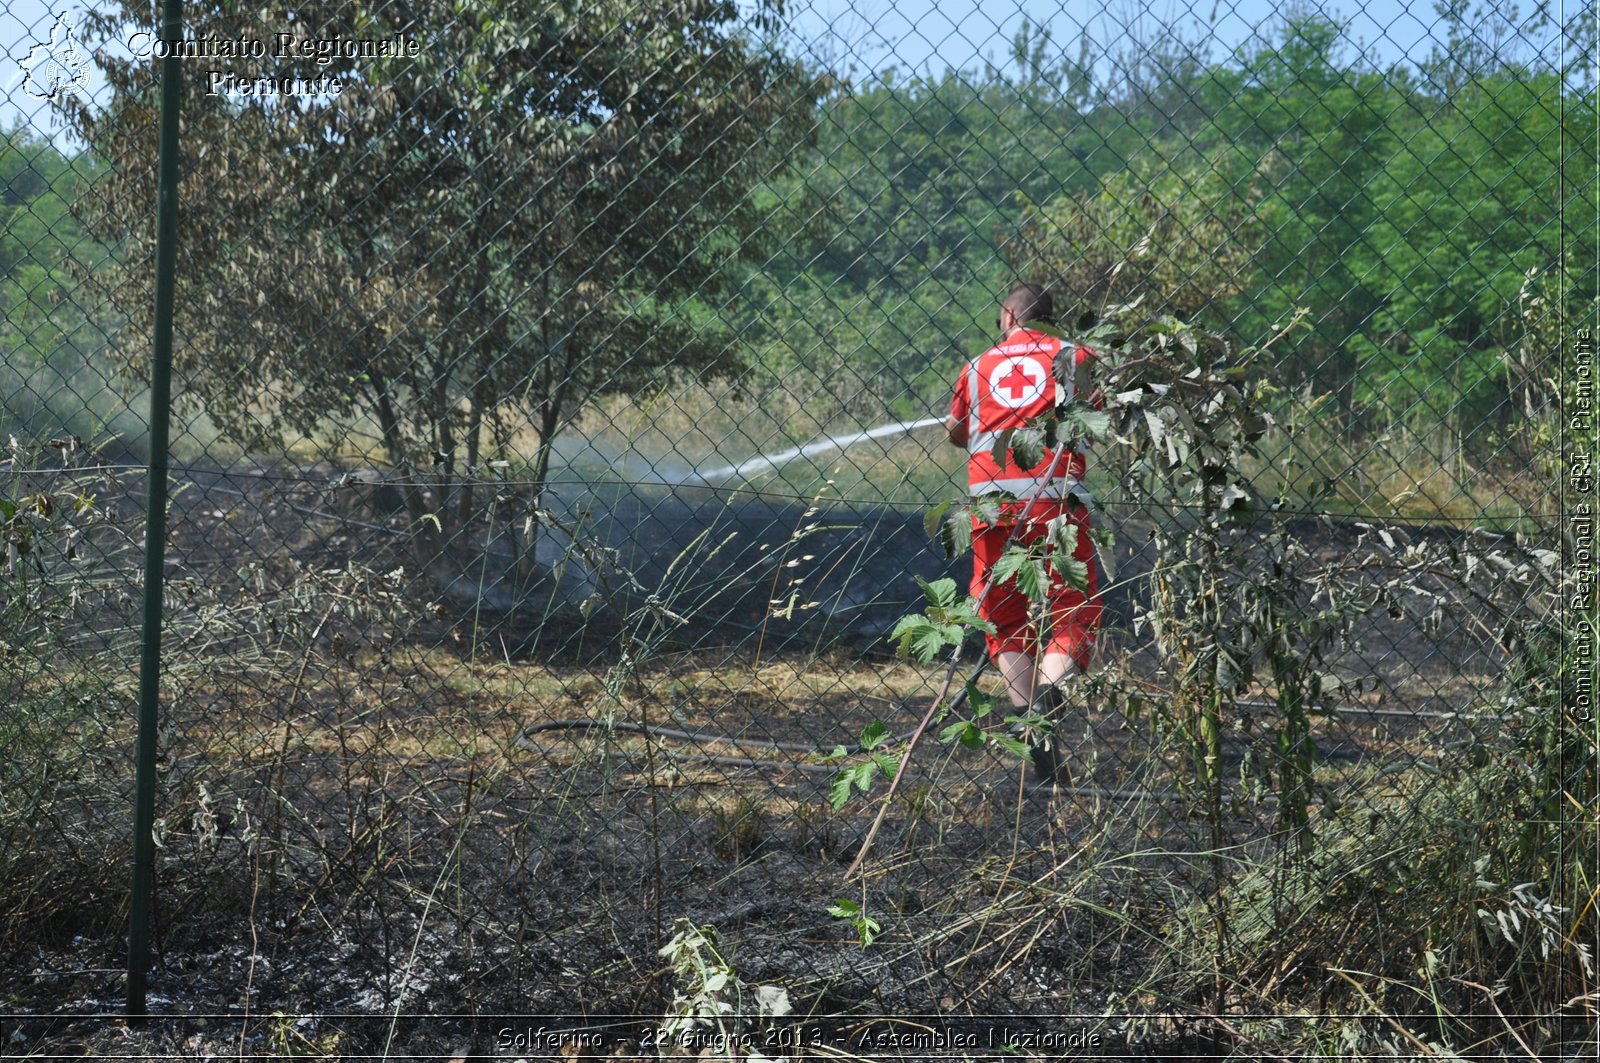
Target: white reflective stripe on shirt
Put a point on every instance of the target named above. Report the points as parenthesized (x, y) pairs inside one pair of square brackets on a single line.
[(1025, 486), (972, 400), (981, 442)]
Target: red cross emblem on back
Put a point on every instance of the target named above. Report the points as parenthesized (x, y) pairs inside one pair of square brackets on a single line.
[(1016, 382)]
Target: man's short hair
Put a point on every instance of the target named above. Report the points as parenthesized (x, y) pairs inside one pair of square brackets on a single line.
[(1030, 302)]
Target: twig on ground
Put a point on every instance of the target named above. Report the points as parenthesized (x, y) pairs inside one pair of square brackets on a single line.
[(1489, 995), (1387, 1018)]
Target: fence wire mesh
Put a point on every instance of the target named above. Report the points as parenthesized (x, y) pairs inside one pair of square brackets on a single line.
[(560, 413)]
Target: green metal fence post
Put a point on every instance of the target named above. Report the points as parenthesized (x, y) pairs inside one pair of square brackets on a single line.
[(144, 808)]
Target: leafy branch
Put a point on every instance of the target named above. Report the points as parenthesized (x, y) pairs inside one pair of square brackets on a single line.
[(946, 622), (859, 777)]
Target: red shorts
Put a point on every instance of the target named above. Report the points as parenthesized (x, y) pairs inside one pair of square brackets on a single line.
[(1073, 616)]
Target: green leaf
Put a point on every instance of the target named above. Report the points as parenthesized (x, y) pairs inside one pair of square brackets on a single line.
[(863, 774), (982, 702), (906, 624), (843, 908), (941, 592), (1092, 423), (1011, 562), (955, 536), (1033, 579), (951, 524), (874, 735), (926, 646), (961, 729), (1027, 446), (922, 639), (839, 792), (1073, 571), (886, 764), (966, 615), (1010, 742), (1002, 444), (857, 777), (1064, 537)]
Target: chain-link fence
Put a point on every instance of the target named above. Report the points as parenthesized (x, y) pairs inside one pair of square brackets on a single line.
[(554, 621)]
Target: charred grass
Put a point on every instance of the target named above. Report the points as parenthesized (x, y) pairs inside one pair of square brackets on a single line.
[(365, 819)]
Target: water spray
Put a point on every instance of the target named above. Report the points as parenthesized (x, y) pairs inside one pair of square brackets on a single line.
[(821, 445)]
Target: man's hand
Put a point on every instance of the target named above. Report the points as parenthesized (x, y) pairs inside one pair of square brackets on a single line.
[(956, 430)]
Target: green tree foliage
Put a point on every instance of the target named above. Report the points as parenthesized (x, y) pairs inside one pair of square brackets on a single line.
[(1181, 242), (36, 233), (1402, 206), (47, 331), (1317, 127), (1464, 208), (890, 281), (536, 208)]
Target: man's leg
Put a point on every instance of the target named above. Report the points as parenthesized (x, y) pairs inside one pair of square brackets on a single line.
[(1057, 668), (1005, 608), (1074, 619), (1024, 682), (1009, 611), (1018, 672)]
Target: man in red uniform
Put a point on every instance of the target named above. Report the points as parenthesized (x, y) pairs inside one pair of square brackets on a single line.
[(1008, 386)]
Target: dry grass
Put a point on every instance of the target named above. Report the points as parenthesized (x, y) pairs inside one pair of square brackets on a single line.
[(669, 434), (1394, 474), (377, 761), (1399, 474), (396, 777)]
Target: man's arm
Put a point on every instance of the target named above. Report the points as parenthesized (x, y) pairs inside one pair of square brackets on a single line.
[(955, 425)]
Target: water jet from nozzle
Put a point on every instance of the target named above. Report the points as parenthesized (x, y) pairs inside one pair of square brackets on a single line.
[(816, 446)]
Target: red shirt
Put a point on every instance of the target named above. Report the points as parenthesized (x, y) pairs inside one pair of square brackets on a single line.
[(1007, 386)]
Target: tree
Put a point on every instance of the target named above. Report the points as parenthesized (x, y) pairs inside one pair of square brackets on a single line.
[(1325, 125), (1463, 211), (50, 327), (909, 194), (1179, 241), (534, 208)]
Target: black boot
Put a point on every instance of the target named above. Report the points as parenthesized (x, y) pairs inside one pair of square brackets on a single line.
[(1044, 751)]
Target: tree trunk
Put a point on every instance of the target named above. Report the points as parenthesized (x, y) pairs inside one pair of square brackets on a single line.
[(426, 544)]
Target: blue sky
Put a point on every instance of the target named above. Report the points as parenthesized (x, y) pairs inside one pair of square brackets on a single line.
[(928, 36)]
